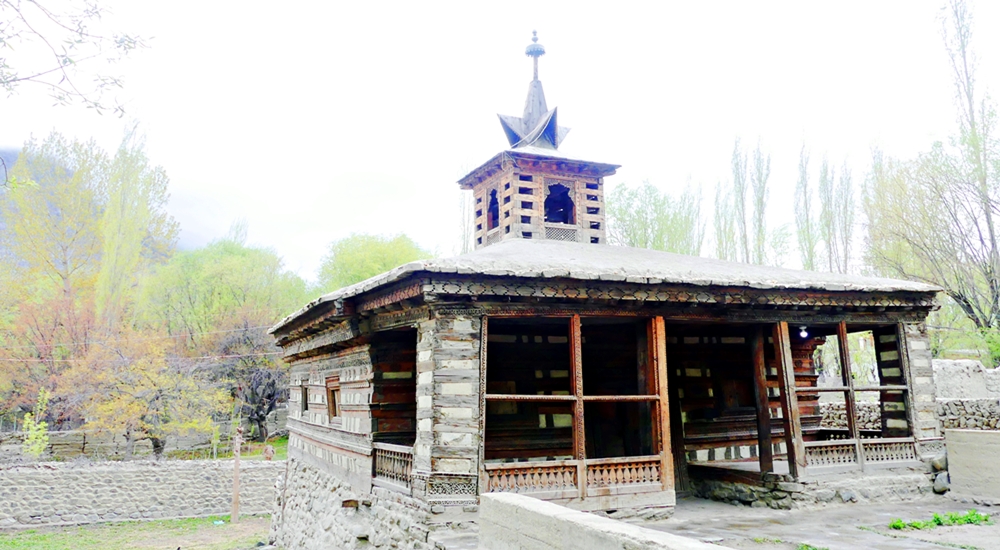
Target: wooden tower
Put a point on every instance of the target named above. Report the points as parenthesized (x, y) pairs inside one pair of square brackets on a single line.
[(531, 190)]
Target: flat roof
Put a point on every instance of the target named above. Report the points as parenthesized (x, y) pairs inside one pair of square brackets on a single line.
[(598, 262)]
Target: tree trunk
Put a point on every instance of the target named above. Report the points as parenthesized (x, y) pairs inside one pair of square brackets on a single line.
[(261, 430), (158, 446), (129, 445)]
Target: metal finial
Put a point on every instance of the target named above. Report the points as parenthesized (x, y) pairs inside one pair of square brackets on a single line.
[(534, 51)]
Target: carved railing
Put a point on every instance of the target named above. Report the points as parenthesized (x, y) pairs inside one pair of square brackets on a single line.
[(831, 453), (393, 464), (613, 472), (532, 477), (889, 450)]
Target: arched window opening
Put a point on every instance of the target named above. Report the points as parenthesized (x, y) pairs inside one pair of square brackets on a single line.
[(493, 211), (559, 207)]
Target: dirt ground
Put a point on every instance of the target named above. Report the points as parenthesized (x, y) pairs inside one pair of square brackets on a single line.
[(186, 534), (835, 527)]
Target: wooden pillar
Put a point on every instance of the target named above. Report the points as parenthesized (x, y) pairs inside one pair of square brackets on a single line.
[(576, 379), (789, 401), (484, 478), (850, 404), (765, 451), (658, 346)]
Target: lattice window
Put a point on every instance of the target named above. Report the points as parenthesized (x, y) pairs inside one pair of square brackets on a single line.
[(560, 234)]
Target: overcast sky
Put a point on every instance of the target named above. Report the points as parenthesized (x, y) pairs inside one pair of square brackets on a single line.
[(315, 120)]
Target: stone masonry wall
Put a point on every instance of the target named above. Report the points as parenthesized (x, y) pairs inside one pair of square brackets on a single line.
[(68, 493), (922, 381), (315, 510), (835, 415), (968, 394)]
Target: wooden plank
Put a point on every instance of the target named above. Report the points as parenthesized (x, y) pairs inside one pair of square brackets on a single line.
[(576, 381), (658, 348), (484, 477), (849, 398), (765, 451), (789, 401)]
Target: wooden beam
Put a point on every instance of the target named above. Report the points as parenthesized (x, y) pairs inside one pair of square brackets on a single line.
[(849, 398), (789, 401), (658, 346), (576, 379), (765, 451)]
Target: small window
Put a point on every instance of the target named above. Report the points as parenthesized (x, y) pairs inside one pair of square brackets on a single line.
[(525, 190), (591, 197), (595, 240), (506, 229), (506, 200), (593, 210), (526, 234), (527, 205), (592, 186), (479, 240), (525, 219), (333, 396), (479, 213), (479, 200), (506, 214), (525, 177), (493, 212), (479, 227), (304, 398), (595, 225), (506, 186)]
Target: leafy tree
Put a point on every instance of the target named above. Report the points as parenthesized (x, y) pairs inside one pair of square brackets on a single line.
[(36, 430), (360, 256), (130, 385), (49, 44), (805, 220), (645, 217), (934, 218)]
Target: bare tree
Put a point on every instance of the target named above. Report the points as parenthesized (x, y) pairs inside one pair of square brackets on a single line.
[(51, 44), (739, 198), (726, 241), (758, 181)]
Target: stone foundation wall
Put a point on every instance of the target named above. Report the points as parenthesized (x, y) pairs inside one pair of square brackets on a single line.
[(835, 415), (67, 493), (315, 509), (782, 495)]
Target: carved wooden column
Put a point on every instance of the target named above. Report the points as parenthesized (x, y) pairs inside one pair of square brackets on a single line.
[(576, 381), (849, 399), (765, 450), (658, 347), (789, 401)]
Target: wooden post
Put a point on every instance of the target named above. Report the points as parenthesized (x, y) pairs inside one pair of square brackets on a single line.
[(849, 401), (658, 346), (484, 478), (765, 451), (234, 516), (576, 379), (789, 401)]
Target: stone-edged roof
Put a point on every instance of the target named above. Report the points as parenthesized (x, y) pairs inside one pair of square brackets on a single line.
[(595, 262), (531, 152)]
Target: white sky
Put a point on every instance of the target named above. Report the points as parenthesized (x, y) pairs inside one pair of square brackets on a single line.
[(314, 120)]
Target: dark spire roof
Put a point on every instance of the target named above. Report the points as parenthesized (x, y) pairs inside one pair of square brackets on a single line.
[(537, 126)]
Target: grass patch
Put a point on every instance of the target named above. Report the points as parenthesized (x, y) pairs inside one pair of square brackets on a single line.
[(767, 540), (972, 517), (190, 534), (805, 546), (249, 451)]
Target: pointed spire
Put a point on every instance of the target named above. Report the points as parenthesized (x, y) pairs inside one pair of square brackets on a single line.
[(537, 125)]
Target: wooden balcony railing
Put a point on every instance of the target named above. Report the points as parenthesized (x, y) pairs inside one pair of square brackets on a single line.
[(392, 465), (561, 478)]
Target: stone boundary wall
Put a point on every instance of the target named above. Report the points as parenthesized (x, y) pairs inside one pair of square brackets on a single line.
[(70, 444), (969, 414), (835, 415), (55, 493), (509, 521)]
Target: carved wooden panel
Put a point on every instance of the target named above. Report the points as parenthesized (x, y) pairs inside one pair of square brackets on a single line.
[(889, 450), (625, 472), (530, 478)]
